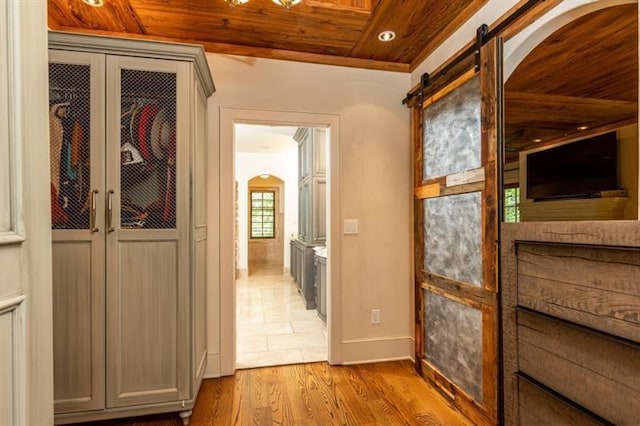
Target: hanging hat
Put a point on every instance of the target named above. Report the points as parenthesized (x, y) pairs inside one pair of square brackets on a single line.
[(166, 134), (130, 155), (157, 128), (144, 129)]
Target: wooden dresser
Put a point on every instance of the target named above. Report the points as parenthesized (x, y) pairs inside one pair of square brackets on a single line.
[(571, 323)]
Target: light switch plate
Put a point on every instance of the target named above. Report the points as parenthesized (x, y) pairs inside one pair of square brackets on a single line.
[(350, 226)]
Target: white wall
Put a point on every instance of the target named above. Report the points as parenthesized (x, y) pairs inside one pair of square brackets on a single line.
[(283, 165), (375, 187)]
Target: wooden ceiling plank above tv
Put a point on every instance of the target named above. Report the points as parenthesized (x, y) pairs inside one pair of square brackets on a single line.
[(584, 74)]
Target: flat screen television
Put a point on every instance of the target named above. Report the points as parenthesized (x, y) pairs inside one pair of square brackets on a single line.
[(577, 169)]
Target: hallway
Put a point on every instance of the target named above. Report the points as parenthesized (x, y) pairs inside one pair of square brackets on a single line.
[(273, 327)]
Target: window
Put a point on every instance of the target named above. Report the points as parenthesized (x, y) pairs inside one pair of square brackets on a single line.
[(263, 208), (511, 208)]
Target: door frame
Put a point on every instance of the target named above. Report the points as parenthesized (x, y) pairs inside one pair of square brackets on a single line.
[(228, 118)]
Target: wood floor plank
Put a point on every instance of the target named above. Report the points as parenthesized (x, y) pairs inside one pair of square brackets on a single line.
[(414, 396), (389, 393), (392, 400), (357, 397)]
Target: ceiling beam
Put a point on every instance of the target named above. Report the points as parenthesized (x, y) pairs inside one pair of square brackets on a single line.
[(562, 111), (525, 145)]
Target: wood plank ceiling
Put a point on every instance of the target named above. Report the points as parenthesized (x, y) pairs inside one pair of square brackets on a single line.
[(584, 74), (338, 32)]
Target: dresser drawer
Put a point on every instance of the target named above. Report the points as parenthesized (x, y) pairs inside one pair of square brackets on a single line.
[(598, 287), (539, 407), (596, 372)]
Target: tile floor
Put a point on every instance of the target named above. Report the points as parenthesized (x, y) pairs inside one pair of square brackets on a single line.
[(273, 327)]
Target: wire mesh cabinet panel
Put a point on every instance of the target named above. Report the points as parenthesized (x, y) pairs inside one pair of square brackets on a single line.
[(131, 226)]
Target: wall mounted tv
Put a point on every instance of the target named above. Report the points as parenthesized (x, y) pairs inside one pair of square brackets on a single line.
[(577, 169)]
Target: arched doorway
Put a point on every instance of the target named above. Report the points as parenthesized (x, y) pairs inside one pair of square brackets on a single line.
[(568, 80), (265, 221)]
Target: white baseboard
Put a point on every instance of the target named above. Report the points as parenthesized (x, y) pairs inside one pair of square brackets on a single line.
[(377, 350), (213, 366)]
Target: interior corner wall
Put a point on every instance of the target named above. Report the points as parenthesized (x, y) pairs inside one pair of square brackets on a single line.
[(628, 168), (375, 188), (489, 13), (283, 165)]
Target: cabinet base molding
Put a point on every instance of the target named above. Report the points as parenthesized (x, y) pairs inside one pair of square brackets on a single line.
[(114, 413)]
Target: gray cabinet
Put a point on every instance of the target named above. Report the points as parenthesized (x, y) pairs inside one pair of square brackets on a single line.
[(293, 264), (312, 205), (321, 283), (129, 225), (304, 271), (312, 185)]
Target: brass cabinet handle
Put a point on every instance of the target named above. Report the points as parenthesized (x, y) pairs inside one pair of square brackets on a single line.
[(110, 210), (92, 218)]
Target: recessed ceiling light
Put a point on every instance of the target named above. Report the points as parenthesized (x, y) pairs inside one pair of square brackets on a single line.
[(386, 36), (583, 127), (234, 3), (286, 3), (94, 3), (537, 140)]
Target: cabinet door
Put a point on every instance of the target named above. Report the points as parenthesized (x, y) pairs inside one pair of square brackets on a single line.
[(148, 282), (319, 211), (304, 211), (76, 143), (304, 154), (319, 149)]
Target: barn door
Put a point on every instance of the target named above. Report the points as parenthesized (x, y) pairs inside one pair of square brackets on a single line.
[(456, 235)]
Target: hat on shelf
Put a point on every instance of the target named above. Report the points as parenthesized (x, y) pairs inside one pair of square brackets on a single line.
[(160, 133), (130, 155), (147, 116)]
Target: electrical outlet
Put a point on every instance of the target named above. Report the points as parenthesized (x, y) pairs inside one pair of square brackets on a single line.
[(375, 316)]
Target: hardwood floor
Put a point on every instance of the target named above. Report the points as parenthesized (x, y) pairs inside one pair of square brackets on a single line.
[(389, 393)]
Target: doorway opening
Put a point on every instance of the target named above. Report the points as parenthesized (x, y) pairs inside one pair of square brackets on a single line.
[(277, 322)]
